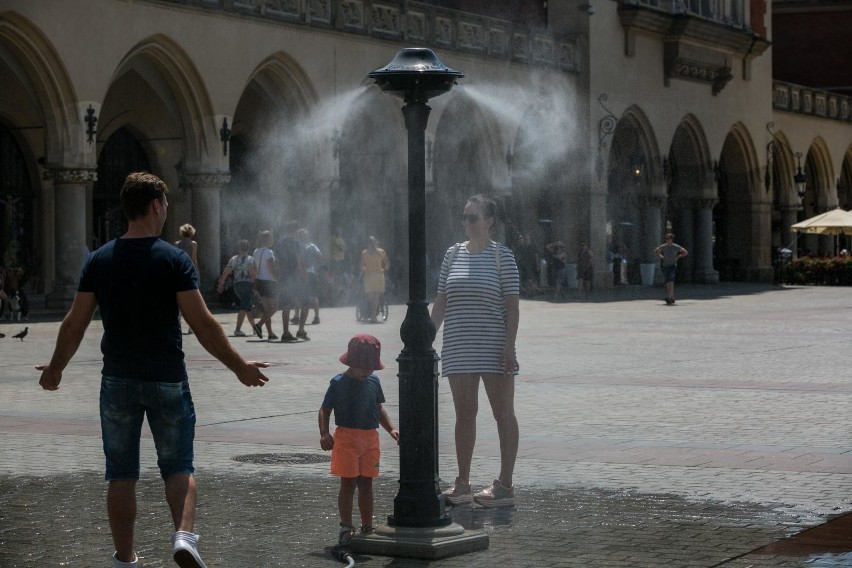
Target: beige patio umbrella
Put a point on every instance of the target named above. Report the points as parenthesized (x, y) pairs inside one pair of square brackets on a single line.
[(832, 222)]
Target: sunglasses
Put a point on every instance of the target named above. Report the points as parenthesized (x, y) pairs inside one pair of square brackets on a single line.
[(471, 218)]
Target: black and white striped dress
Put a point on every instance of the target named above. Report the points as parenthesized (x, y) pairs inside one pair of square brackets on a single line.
[(475, 318)]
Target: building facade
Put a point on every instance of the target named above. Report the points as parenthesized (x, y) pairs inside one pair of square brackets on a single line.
[(610, 122)]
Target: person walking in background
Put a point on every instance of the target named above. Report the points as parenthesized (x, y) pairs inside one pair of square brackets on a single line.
[(139, 283), (558, 260), (374, 264), (355, 397), (312, 259), (266, 283), (189, 246), (338, 253), (477, 302), (528, 262), (294, 283), (241, 266), (670, 252), (585, 270)]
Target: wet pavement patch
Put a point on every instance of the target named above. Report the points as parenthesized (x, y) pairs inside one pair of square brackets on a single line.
[(283, 459), (280, 516)]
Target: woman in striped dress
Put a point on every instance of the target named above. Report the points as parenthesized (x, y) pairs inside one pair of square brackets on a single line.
[(477, 302)]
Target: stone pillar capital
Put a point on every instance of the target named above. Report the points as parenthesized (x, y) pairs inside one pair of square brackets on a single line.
[(70, 175), (706, 203)]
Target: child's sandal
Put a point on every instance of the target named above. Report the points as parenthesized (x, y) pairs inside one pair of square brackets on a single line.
[(346, 534)]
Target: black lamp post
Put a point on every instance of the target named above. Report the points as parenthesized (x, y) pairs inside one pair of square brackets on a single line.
[(419, 516), (416, 75)]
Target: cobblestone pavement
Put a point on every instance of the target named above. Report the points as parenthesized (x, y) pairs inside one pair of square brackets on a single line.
[(651, 435)]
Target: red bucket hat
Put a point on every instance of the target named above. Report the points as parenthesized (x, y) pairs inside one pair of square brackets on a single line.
[(363, 353)]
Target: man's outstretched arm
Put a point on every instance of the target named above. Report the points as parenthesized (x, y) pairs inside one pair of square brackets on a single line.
[(71, 333), (213, 339)]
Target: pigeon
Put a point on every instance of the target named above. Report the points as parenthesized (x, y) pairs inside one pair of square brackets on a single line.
[(21, 335)]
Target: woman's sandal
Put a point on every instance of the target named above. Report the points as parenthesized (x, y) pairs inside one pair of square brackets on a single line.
[(346, 534), (369, 529)]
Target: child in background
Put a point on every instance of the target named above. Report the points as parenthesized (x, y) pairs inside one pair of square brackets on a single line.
[(355, 396)]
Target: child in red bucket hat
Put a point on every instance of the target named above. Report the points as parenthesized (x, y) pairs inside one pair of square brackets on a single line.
[(355, 396)]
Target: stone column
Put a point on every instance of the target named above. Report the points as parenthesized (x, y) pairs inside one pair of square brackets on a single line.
[(70, 248), (685, 236), (703, 263), (205, 190)]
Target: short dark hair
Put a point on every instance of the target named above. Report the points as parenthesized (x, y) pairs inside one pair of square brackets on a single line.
[(139, 189)]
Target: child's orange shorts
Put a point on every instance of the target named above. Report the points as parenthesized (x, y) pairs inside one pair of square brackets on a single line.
[(355, 452)]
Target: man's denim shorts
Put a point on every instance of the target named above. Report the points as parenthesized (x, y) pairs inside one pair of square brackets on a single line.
[(171, 417), (670, 273)]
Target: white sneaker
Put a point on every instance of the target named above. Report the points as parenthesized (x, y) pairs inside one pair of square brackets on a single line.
[(116, 563), (186, 550), (496, 496), (458, 493)]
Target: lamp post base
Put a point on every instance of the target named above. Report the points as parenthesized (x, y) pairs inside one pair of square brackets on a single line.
[(428, 543)]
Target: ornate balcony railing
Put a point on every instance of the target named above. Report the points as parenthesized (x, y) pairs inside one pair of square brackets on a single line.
[(411, 22), (728, 12), (814, 102)]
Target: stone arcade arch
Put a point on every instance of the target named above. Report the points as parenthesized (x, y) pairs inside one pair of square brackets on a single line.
[(635, 192), (820, 196), (272, 148), (691, 199), (786, 204), (467, 159), (157, 93), (371, 197), (42, 116), (742, 216)]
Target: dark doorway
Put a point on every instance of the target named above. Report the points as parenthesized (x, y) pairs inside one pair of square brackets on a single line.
[(121, 155), (16, 204)]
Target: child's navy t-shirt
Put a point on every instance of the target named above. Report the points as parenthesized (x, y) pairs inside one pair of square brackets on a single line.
[(135, 282), (355, 403)]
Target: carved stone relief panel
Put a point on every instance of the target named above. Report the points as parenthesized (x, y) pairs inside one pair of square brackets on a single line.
[(832, 107), (385, 19), (782, 99), (820, 101), (471, 35), (352, 14), (319, 11), (543, 49), (520, 46), (415, 25), (289, 9), (797, 99), (498, 41), (443, 31), (808, 106), (566, 56)]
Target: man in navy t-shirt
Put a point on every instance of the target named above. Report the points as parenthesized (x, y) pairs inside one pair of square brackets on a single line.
[(141, 283)]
